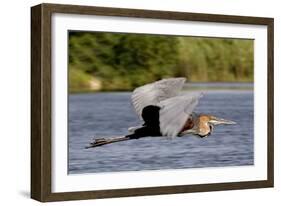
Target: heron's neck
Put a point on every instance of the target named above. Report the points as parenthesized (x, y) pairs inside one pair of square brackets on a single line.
[(195, 125)]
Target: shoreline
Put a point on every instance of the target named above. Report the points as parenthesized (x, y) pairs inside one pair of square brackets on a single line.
[(194, 86)]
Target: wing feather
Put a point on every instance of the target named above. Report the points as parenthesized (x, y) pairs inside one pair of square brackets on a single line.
[(154, 93), (175, 111)]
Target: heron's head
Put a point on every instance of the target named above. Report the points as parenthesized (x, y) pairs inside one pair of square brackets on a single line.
[(207, 123)]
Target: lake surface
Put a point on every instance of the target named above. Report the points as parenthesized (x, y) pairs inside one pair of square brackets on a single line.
[(111, 113)]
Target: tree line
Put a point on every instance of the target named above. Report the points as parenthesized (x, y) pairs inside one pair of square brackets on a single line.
[(118, 61)]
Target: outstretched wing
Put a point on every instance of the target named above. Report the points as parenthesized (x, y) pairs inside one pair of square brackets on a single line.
[(154, 93), (175, 111)]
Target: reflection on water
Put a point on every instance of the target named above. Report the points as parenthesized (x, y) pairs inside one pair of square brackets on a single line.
[(110, 114)]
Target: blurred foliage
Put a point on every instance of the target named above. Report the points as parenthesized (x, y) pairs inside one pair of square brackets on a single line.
[(125, 61), (216, 60), (78, 80)]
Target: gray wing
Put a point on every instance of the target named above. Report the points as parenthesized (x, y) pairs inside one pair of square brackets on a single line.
[(154, 93), (175, 111)]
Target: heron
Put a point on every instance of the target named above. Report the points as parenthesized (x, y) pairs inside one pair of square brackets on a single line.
[(164, 111)]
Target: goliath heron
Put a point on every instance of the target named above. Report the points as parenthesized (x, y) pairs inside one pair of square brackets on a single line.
[(167, 113)]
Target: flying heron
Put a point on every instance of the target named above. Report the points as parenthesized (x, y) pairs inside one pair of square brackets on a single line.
[(165, 112)]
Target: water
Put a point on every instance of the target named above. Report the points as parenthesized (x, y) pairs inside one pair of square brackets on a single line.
[(110, 114)]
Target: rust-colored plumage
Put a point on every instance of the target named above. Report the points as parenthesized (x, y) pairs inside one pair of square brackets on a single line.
[(202, 124)]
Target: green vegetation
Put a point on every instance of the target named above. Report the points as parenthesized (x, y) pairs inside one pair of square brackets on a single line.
[(116, 61), (216, 60), (78, 80)]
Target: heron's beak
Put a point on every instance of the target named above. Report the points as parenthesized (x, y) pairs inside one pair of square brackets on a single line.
[(217, 121)]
